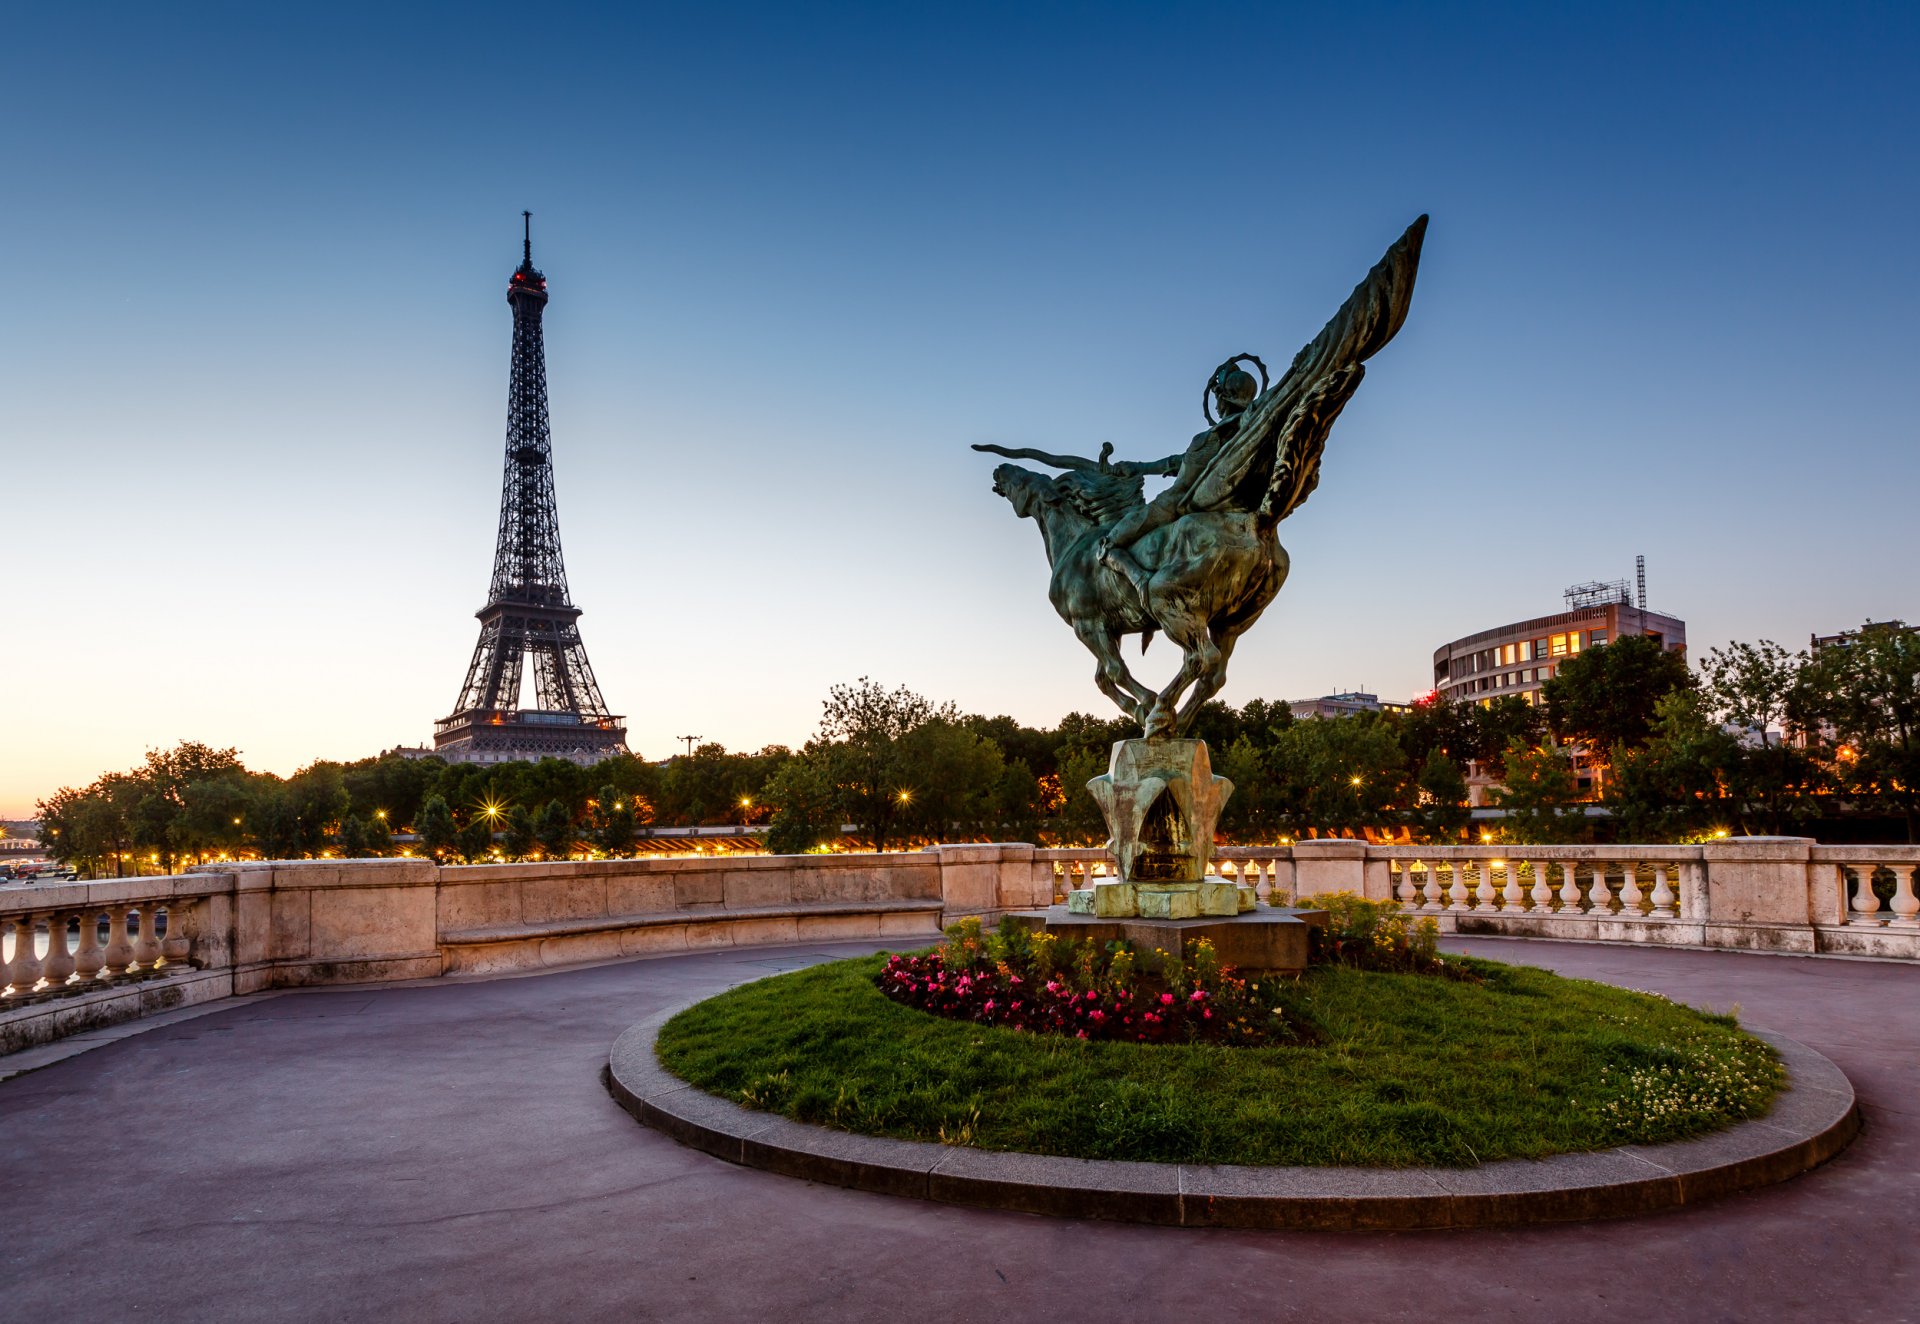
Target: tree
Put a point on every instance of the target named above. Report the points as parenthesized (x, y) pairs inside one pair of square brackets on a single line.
[(1487, 732), (1677, 785), (1606, 696), (1338, 776), (1080, 821), (1440, 813), (613, 822), (807, 811), (439, 834), (355, 839), (1868, 689), (1539, 795), (390, 785), (863, 735), (554, 830), (475, 840), (521, 833), (1757, 686)]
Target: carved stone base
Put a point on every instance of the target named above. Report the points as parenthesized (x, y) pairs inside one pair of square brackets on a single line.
[(1266, 939), (1161, 801)]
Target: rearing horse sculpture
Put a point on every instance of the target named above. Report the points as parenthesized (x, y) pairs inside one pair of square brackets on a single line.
[(1200, 562)]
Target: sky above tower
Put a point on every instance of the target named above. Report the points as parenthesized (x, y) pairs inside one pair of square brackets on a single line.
[(801, 256)]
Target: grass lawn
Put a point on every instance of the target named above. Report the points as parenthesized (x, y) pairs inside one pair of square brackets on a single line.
[(1411, 1069)]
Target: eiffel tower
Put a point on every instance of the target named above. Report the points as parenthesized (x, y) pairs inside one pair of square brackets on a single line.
[(529, 611)]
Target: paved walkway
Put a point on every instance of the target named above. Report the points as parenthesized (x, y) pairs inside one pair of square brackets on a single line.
[(447, 1152)]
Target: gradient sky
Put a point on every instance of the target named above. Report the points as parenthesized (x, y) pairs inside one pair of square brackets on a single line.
[(255, 368)]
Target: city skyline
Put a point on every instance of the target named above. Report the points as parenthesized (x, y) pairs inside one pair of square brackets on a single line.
[(253, 455)]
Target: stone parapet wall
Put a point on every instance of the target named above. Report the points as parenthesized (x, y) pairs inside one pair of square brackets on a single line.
[(241, 928)]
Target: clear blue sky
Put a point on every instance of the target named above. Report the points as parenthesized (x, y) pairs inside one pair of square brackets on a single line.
[(255, 367)]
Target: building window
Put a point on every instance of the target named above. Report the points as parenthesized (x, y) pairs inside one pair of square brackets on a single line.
[(1559, 645), (1597, 638), (1573, 642)]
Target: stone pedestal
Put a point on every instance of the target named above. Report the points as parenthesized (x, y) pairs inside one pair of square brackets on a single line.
[(1270, 939), (1161, 801)]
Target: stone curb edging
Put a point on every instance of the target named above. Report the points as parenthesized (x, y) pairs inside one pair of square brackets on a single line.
[(1812, 1120)]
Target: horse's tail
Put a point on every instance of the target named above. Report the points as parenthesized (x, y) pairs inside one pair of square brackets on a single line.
[(1146, 637)]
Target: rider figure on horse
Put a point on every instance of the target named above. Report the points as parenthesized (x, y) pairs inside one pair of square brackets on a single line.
[(1233, 389)]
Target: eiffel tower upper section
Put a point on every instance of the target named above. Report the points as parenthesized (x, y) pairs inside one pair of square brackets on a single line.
[(529, 612)]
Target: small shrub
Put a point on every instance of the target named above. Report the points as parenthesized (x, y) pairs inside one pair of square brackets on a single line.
[(1378, 935)]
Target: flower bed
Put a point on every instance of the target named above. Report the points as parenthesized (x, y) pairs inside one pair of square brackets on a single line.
[(1050, 985), (1047, 983)]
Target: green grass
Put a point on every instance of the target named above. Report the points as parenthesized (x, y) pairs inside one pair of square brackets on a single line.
[(1412, 1070)]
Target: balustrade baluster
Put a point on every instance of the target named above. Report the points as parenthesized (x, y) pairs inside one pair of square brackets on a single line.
[(146, 946), (1434, 898), (1663, 894), (1511, 897), (1484, 891), (1263, 881), (88, 961), (176, 949), (1599, 895), (1630, 893), (57, 966), (1542, 889), (1906, 906), (1409, 896), (1866, 902), (1569, 889), (1459, 893), (119, 949), (23, 971)]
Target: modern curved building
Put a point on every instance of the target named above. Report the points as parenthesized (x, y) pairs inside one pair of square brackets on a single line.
[(1517, 659)]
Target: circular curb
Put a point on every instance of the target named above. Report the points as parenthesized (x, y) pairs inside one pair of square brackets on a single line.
[(1811, 1120)]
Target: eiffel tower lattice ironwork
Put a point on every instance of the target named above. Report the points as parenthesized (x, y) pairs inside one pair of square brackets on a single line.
[(529, 612)]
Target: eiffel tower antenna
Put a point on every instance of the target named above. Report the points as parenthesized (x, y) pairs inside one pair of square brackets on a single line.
[(529, 612)]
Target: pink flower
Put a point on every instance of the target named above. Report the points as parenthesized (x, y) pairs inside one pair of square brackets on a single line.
[(1166, 999), (1053, 986), (1198, 995), (989, 1004)]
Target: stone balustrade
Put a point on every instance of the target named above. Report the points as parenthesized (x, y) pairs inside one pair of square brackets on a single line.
[(83, 955)]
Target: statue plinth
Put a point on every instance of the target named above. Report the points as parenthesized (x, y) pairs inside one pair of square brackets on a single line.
[(1161, 801)]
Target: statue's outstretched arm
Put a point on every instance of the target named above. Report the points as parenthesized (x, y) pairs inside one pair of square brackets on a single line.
[(1057, 461), (1144, 468)]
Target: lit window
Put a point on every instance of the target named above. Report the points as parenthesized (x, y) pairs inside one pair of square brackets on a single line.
[(1559, 645), (1573, 642)]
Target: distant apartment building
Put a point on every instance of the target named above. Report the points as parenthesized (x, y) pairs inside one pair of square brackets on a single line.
[(1344, 705), (1846, 638)]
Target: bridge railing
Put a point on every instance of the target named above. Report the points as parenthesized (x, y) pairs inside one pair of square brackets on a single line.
[(81, 955)]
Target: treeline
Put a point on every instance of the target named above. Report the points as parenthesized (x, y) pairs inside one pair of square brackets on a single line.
[(894, 767), (1758, 741)]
